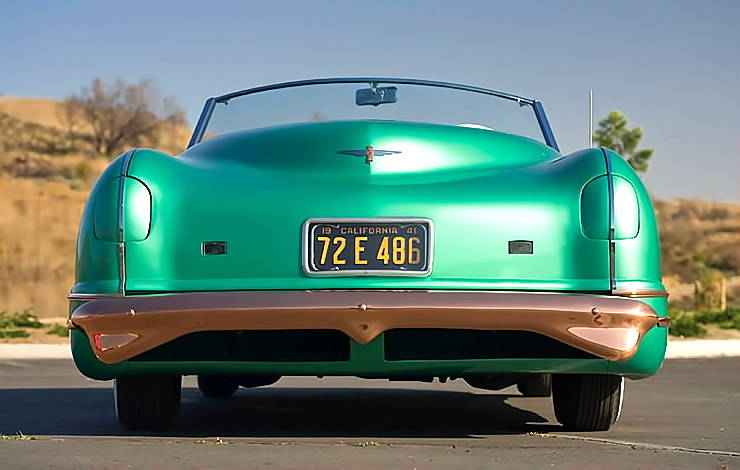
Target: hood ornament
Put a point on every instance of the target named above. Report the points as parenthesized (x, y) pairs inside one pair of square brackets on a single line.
[(369, 153)]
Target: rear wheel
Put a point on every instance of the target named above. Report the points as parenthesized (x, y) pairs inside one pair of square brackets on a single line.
[(217, 386), (535, 385), (147, 402), (587, 402)]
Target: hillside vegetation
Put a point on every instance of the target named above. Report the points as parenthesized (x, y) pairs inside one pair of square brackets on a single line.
[(45, 175), (698, 233), (35, 144)]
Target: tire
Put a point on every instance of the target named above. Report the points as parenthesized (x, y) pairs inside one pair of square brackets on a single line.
[(147, 402), (587, 402), (535, 385), (217, 386)]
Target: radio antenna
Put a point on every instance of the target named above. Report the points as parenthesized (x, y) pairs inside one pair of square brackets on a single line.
[(591, 118)]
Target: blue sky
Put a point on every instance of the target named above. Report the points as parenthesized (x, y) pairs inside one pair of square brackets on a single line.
[(673, 67)]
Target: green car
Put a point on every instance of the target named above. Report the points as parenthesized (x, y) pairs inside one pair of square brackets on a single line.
[(369, 227)]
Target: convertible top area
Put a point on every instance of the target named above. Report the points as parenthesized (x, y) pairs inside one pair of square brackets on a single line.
[(208, 108)]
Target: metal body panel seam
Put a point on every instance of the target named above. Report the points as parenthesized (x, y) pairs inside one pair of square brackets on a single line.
[(125, 164), (612, 246)]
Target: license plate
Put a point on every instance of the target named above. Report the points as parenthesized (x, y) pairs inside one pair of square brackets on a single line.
[(384, 247)]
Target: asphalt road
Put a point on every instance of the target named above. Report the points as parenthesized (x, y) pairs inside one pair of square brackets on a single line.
[(688, 416)]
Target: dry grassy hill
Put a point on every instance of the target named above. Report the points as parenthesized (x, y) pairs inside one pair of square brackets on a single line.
[(34, 143), (41, 111), (44, 179), (38, 228), (693, 232), (45, 176)]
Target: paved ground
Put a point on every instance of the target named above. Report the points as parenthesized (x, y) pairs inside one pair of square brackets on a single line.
[(686, 417)]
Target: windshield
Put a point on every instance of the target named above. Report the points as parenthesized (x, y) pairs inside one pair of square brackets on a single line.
[(317, 101)]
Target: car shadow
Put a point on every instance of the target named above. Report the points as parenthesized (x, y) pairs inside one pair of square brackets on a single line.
[(280, 412)]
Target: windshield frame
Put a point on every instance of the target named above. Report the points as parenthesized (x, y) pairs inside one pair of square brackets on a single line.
[(536, 105)]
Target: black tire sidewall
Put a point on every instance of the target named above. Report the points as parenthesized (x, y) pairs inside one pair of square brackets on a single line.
[(587, 402), (147, 402), (535, 385)]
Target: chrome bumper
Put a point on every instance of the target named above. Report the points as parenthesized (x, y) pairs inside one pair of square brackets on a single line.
[(120, 328)]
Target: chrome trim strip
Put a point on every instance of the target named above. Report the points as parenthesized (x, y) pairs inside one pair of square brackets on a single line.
[(630, 293), (125, 164), (306, 250), (81, 297), (641, 293), (612, 244)]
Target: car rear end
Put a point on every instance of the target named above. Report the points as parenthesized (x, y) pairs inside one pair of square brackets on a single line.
[(374, 249)]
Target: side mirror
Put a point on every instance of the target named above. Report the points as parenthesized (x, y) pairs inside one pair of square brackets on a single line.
[(376, 95)]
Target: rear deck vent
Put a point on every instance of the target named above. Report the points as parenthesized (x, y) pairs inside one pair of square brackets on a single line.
[(521, 247), (213, 248)]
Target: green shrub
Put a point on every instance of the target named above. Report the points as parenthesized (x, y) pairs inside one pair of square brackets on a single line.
[(58, 330), (727, 319), (685, 324), (731, 319), (13, 334), (83, 171), (24, 319), (689, 323), (710, 288)]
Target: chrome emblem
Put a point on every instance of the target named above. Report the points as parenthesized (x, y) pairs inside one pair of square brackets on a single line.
[(368, 153)]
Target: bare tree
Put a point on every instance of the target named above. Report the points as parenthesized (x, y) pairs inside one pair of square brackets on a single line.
[(121, 114), (71, 118)]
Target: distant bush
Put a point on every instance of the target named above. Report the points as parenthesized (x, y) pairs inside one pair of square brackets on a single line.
[(710, 289), (689, 323), (24, 319), (83, 171), (684, 324), (728, 319), (58, 330), (13, 334), (14, 326)]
